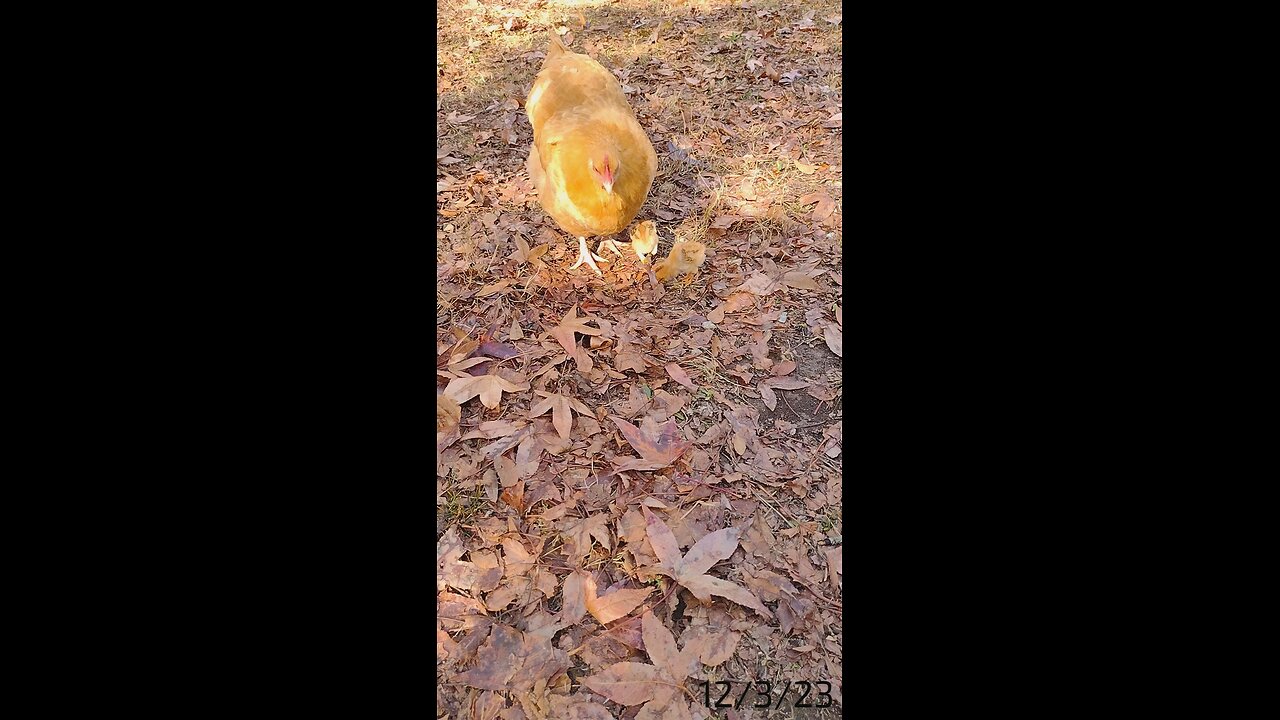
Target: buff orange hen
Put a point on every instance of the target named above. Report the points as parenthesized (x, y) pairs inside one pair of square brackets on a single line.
[(591, 162)]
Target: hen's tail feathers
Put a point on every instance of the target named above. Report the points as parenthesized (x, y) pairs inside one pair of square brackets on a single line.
[(556, 47)]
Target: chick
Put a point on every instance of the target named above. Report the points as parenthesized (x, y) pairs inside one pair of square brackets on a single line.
[(685, 257), (644, 239)]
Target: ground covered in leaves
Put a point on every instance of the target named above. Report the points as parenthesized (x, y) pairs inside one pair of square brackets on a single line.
[(638, 487)]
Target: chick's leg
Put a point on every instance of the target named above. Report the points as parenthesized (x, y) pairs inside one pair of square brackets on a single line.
[(586, 256)]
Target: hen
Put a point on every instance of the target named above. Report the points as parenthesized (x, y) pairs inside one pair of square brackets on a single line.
[(590, 161), (685, 257)]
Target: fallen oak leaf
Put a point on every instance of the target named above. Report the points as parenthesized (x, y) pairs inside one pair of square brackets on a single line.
[(573, 707), (767, 395), (825, 205), (629, 361), (491, 429)]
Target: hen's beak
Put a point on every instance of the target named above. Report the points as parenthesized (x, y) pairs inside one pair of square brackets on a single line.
[(608, 180)]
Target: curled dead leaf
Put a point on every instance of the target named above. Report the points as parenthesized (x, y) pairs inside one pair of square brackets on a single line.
[(448, 413), (835, 338)]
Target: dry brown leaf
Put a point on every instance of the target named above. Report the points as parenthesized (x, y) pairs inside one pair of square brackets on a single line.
[(450, 570), (786, 383), (799, 280), (448, 413), (626, 683), (488, 387), (658, 448), (513, 661), (491, 429), (678, 374), (515, 333), (629, 361), (574, 593), (574, 707), (785, 367), (488, 705), (508, 475), (517, 559), (578, 534), (672, 403), (688, 571), (495, 667), (614, 605), (759, 284), (767, 395), (514, 496), (561, 411), (459, 612), (564, 334), (834, 338), (835, 566), (661, 646), (712, 647), (488, 290), (631, 526)]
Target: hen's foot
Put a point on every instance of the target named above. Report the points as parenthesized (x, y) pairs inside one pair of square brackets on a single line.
[(610, 244), (586, 256)]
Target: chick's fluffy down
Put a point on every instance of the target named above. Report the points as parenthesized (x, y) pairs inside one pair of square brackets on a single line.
[(685, 257)]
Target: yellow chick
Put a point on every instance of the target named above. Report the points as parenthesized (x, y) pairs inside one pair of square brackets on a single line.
[(644, 239), (685, 257)]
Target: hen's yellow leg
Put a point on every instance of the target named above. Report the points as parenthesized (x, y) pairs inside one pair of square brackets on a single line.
[(586, 256)]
